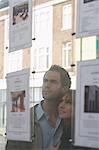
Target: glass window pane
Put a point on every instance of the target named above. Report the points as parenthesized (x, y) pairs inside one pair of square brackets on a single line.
[(41, 59), (67, 16), (37, 94), (67, 54)]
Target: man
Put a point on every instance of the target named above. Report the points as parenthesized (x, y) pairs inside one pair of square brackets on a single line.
[(47, 123)]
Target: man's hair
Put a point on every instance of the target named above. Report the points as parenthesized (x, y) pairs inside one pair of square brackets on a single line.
[(65, 78)]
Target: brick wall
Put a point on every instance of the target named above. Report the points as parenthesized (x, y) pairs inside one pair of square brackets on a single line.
[(59, 36), (1, 48)]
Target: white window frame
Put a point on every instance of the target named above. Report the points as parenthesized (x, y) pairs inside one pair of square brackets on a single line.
[(37, 94), (41, 52), (66, 50), (67, 17), (13, 60), (41, 59)]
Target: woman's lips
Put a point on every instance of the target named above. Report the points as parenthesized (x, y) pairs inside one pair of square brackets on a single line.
[(62, 111)]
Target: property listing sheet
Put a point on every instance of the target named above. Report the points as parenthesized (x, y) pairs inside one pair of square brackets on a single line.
[(20, 24), (87, 104), (18, 111), (87, 18)]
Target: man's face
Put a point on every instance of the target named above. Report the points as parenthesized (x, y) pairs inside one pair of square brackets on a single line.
[(52, 88)]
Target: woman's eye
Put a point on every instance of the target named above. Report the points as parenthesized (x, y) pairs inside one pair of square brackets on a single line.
[(68, 103)]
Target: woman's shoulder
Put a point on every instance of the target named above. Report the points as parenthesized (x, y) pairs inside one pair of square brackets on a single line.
[(66, 139)]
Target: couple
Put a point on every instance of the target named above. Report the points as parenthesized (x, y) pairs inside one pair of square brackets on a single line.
[(51, 131)]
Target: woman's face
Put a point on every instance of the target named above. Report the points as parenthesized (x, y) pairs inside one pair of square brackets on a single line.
[(65, 109)]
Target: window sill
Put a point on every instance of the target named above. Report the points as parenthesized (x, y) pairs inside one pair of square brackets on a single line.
[(62, 29)]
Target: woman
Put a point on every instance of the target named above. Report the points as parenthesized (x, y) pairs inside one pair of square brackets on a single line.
[(65, 112)]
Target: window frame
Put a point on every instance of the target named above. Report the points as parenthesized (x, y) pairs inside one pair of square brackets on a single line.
[(66, 49), (67, 16)]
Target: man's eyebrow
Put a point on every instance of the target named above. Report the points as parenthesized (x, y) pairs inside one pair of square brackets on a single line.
[(52, 80)]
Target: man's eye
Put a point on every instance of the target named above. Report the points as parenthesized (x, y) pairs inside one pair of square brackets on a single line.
[(54, 81)]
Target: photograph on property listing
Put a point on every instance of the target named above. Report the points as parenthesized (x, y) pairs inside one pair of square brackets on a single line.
[(91, 95), (17, 99), (20, 13)]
